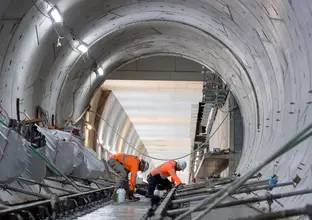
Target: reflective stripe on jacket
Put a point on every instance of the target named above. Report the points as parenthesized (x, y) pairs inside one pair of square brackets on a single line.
[(167, 169), (130, 163)]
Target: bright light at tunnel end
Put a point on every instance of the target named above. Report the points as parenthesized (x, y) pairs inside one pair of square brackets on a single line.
[(56, 15), (82, 47)]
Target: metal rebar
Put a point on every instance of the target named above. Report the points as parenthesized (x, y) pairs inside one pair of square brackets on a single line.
[(64, 182), (48, 201), (47, 185), (2, 206), (205, 184), (186, 192), (92, 181), (222, 194), (162, 208), (280, 214), (24, 191), (246, 201), (197, 198)]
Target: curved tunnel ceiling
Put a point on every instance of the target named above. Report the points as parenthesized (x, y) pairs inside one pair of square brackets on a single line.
[(261, 48)]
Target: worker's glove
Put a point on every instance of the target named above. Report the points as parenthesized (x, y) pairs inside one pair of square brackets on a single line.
[(180, 186)]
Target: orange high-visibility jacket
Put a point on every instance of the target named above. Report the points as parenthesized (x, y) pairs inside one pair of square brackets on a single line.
[(130, 163), (167, 169)]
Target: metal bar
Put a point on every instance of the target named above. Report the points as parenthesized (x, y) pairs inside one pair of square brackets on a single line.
[(307, 210), (246, 201), (187, 188), (48, 201), (197, 198), (47, 185), (93, 181), (206, 183), (64, 182), (2, 206), (222, 194), (162, 208), (86, 193), (24, 191)]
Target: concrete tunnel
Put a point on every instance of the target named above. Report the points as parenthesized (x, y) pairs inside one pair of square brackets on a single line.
[(260, 48)]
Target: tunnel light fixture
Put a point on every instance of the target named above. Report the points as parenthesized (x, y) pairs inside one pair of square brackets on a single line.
[(82, 47), (100, 71), (56, 15)]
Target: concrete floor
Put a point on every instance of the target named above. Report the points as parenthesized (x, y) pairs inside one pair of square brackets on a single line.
[(125, 211)]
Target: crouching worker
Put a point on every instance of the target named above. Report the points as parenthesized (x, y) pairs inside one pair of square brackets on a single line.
[(159, 176), (123, 164)]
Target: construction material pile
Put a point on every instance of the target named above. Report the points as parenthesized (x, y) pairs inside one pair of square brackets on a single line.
[(70, 156), (13, 158)]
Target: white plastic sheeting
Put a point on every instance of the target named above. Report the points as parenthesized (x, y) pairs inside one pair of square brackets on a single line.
[(61, 151), (13, 158), (91, 167), (36, 167), (70, 156)]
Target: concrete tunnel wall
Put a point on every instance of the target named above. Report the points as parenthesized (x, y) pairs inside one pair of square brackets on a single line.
[(261, 48)]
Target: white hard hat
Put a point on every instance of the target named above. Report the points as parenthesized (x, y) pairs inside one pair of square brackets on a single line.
[(182, 164), (145, 165)]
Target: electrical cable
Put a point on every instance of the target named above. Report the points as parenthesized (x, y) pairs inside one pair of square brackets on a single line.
[(222, 194), (155, 158)]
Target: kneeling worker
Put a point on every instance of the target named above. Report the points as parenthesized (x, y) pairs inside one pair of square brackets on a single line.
[(123, 164), (159, 176)]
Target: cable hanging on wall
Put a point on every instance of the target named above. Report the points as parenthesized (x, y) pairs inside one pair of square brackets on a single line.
[(156, 158)]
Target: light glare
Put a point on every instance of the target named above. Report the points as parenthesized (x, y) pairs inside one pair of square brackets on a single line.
[(88, 126), (82, 48), (100, 71), (55, 14)]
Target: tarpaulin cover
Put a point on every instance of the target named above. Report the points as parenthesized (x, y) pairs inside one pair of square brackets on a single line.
[(13, 155), (36, 166), (91, 167), (61, 150)]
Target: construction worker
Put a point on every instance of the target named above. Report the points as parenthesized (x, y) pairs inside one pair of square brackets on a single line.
[(123, 164), (159, 176)]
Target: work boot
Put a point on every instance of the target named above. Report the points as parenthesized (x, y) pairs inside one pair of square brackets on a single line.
[(148, 195), (114, 198), (131, 197)]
